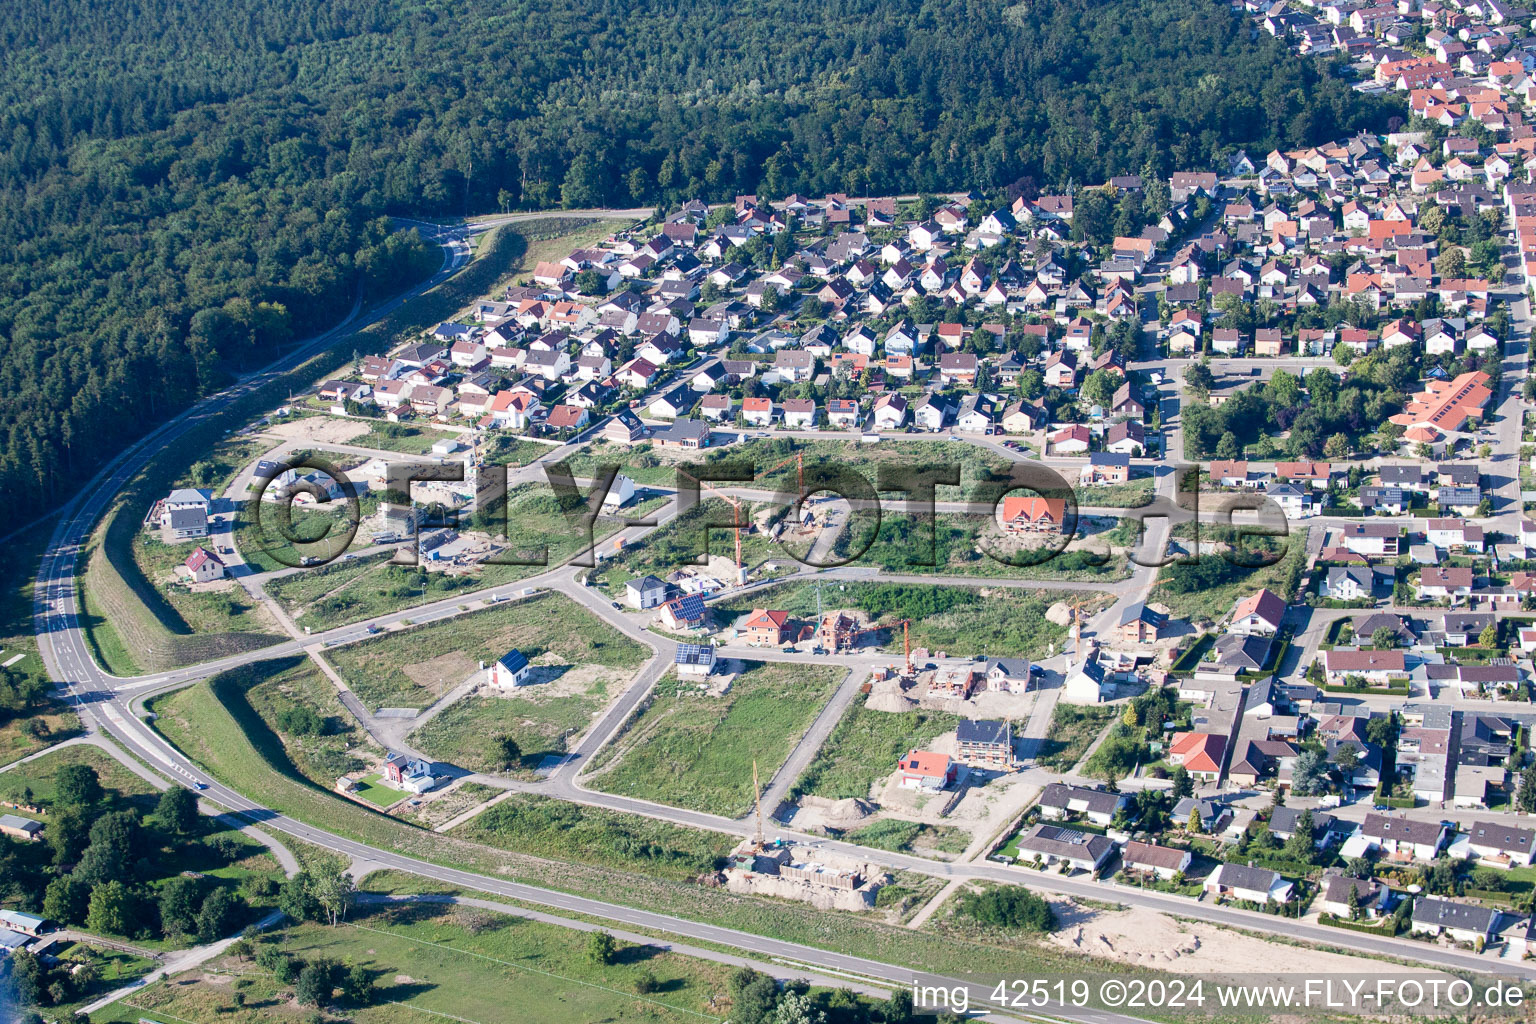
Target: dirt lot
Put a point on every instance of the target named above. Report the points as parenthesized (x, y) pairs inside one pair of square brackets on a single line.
[(442, 673), (1148, 938), (319, 428)]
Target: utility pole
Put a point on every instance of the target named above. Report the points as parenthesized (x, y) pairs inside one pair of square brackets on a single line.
[(757, 793)]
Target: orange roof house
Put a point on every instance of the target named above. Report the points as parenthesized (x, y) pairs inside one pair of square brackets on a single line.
[(765, 628), (1201, 753), (1033, 515), (924, 769), (1447, 405)]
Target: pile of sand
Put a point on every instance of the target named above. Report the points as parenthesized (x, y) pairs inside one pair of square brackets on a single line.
[(889, 700), (839, 813), (1060, 613), (888, 695)]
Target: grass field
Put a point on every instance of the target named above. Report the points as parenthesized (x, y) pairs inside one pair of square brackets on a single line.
[(864, 748), (320, 534), (646, 464), (411, 668), (320, 735), (440, 962), (38, 775), (695, 751), (212, 608), (1136, 493), (682, 541), (1073, 730), (1002, 622), (592, 835), (1207, 589), (213, 723), (911, 837), (539, 719)]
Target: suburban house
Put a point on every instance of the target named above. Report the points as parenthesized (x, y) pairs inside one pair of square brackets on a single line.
[(1500, 845), (685, 612), (1445, 583), (644, 592), (201, 566), (765, 628), (1010, 675), (1461, 921), (1255, 885), (1139, 624), (1408, 838), (1376, 668), (695, 660), (1162, 861), (926, 770), (1349, 583), (1058, 800), (1374, 899), (1106, 468), (1054, 844), (1258, 614), (1023, 514), (511, 670), (1201, 753), (1372, 540), (408, 773)]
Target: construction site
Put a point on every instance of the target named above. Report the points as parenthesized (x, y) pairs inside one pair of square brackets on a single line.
[(793, 871)]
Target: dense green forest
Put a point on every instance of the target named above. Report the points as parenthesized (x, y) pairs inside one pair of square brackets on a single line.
[(184, 186)]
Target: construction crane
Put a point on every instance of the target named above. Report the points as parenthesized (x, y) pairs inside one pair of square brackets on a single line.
[(736, 523), (799, 461)]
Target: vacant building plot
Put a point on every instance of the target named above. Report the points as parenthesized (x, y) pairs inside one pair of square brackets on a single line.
[(544, 827), (692, 750), (512, 732), (413, 667)]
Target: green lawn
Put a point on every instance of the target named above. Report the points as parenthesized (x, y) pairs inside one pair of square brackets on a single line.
[(370, 789), (696, 751), (435, 963), (411, 668), (553, 828), (865, 747)]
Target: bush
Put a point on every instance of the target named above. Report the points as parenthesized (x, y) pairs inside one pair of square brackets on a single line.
[(1010, 906)]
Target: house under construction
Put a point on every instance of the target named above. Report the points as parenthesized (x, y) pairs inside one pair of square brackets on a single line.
[(839, 632)]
